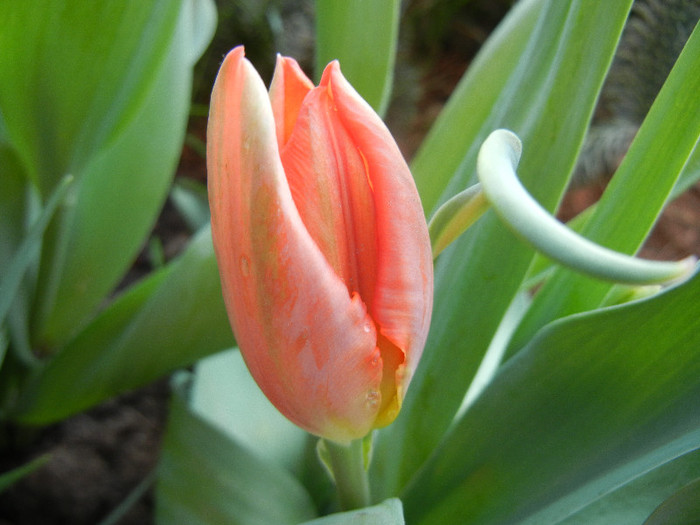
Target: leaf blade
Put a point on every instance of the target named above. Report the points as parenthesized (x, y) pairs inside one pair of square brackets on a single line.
[(367, 62), (555, 419), (478, 277)]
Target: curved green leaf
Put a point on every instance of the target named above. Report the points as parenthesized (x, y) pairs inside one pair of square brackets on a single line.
[(169, 320), (207, 478), (599, 397), (636, 195), (682, 508), (226, 395), (366, 61), (564, 50), (75, 73), (122, 183)]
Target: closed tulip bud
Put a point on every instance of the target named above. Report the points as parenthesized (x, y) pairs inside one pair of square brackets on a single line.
[(322, 246)]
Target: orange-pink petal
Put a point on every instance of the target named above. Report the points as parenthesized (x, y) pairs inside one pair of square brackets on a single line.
[(327, 175), (288, 89), (308, 343), (402, 303)]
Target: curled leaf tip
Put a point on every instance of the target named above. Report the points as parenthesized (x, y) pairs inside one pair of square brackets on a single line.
[(496, 164)]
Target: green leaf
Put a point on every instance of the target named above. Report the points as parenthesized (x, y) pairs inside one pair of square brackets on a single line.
[(632, 502), (190, 198), (9, 478), (122, 184), (563, 52), (206, 477), (75, 74), (169, 320), (594, 401), (681, 508), (28, 250), (226, 396), (635, 196), (19, 207), (389, 512), (367, 62), (456, 130)]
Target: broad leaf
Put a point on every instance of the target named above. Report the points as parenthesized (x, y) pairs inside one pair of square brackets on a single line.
[(114, 104), (682, 507), (564, 50), (594, 400), (225, 395), (170, 320), (629, 504), (207, 478), (66, 92)]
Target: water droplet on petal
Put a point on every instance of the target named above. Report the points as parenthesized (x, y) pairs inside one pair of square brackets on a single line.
[(367, 328), (372, 399)]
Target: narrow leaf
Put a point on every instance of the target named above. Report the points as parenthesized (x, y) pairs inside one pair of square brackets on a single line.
[(367, 62), (28, 251), (636, 195), (7, 479), (563, 52)]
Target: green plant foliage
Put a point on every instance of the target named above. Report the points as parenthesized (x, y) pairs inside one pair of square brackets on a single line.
[(636, 496), (225, 395), (28, 250), (636, 195), (577, 403), (8, 478), (169, 320), (113, 80), (367, 62), (206, 477), (682, 507), (388, 512), (563, 52), (593, 417)]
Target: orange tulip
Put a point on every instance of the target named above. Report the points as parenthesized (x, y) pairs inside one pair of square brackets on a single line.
[(322, 246)]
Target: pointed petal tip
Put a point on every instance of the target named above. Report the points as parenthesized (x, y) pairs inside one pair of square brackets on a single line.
[(237, 53)]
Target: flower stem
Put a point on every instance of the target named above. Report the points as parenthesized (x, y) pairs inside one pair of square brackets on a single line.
[(348, 467)]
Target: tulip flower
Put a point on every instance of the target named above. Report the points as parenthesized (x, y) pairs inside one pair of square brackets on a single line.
[(322, 246)]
